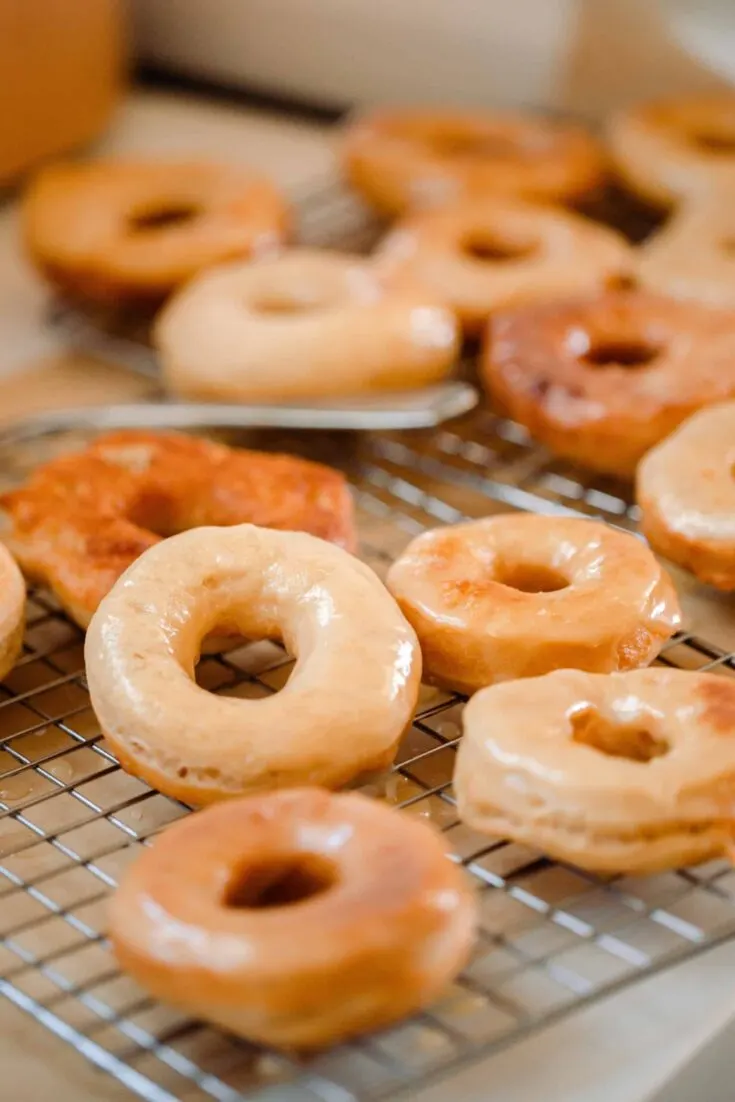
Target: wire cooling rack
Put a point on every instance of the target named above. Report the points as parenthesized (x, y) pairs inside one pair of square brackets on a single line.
[(552, 937)]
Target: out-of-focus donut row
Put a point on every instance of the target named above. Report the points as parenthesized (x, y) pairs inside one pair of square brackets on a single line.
[(489, 219)]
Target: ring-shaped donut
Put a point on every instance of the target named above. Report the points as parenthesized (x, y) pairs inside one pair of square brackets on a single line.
[(295, 918), (601, 380), (483, 255), (403, 159), (112, 231), (632, 772), (343, 711), (518, 595), (672, 149), (685, 488), (83, 518), (306, 324), (693, 256)]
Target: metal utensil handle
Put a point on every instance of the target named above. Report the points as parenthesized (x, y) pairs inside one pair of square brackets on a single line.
[(417, 409)]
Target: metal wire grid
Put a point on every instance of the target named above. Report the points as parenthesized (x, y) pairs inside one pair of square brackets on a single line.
[(71, 821), (551, 937)]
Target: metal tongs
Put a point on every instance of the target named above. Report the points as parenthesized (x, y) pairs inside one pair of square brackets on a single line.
[(400, 410)]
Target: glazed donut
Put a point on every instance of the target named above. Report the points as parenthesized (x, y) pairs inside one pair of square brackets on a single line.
[(342, 712), (307, 324), (685, 488), (482, 255), (403, 159), (296, 919), (670, 149), (12, 611), (83, 518), (693, 256), (632, 772), (599, 381), (517, 595), (108, 231)]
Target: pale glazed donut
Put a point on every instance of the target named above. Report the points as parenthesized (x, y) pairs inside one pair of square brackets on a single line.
[(297, 918), (399, 159), (599, 381), (686, 491), (307, 324), (693, 256), (83, 518), (631, 772), (670, 149), (517, 595), (343, 710), (12, 611), (482, 255), (112, 230)]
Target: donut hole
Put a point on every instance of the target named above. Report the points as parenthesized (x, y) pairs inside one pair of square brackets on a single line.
[(621, 281), (530, 577), (157, 513), (620, 353), (281, 304), (280, 883), (634, 741), (494, 250), (717, 142), (451, 144), (167, 216)]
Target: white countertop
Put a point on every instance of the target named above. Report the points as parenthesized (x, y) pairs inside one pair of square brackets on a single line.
[(620, 1050)]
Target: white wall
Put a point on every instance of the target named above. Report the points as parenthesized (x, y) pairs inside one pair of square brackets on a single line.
[(587, 54)]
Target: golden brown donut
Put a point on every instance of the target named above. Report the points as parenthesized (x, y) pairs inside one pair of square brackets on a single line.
[(517, 595), (482, 255), (83, 518), (631, 772), (400, 159), (670, 149), (693, 256), (341, 714), (112, 230), (307, 324), (599, 381), (686, 491), (296, 919), (12, 611)]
